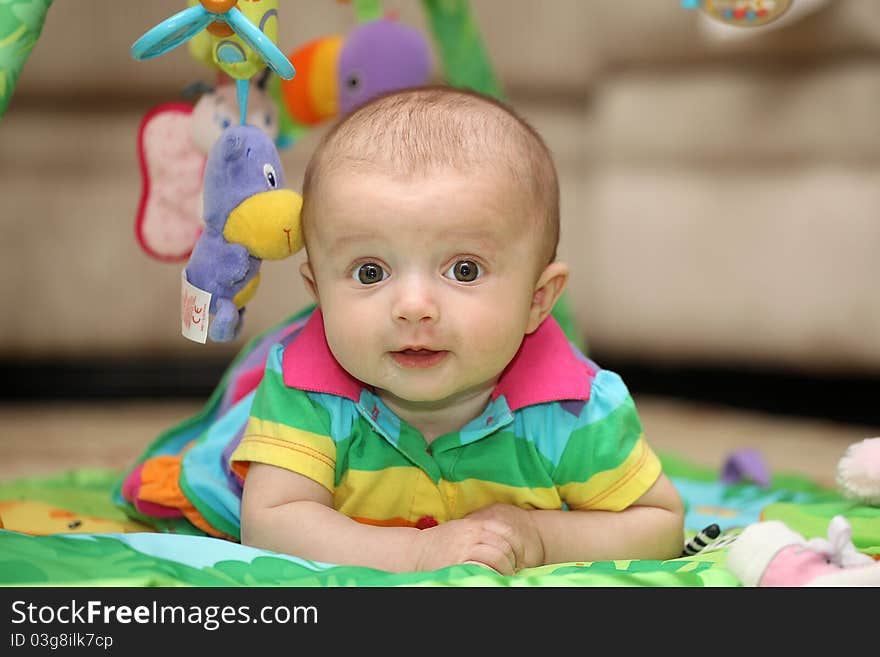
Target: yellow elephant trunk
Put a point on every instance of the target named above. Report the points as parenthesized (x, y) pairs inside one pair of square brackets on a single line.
[(267, 224)]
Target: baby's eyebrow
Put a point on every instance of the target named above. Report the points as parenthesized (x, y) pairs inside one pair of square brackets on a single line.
[(472, 234), (486, 239), (351, 238)]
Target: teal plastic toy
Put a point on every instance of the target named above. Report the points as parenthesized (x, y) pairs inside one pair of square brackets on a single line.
[(218, 17)]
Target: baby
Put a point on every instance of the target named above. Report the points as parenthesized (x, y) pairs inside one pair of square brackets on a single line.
[(431, 412)]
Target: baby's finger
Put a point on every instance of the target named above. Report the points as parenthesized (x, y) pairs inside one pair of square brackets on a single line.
[(480, 563), (495, 551), (493, 560), (510, 536)]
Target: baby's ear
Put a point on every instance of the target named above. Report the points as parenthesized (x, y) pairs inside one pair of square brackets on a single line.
[(549, 287), (305, 269)]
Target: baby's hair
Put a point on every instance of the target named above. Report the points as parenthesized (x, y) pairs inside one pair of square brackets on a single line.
[(414, 131)]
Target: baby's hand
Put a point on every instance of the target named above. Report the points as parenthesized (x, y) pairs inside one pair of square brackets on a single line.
[(518, 528), (469, 540)]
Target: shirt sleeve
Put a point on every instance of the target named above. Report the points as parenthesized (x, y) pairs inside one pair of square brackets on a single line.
[(287, 429), (606, 464)]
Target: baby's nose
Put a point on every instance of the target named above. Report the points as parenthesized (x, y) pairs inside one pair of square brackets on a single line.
[(415, 303)]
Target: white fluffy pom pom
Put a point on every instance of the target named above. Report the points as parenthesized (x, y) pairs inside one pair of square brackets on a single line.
[(858, 472)]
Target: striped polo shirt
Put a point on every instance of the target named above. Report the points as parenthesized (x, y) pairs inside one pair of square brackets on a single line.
[(558, 433)]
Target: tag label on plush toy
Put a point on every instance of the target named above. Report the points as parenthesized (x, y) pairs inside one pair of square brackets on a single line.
[(194, 305)]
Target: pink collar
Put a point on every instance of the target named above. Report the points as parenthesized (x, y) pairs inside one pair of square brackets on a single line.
[(544, 369)]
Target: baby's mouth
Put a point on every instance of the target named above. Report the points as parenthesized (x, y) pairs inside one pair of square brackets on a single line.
[(418, 358)]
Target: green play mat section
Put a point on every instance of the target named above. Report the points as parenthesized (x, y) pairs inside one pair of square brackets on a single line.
[(142, 557)]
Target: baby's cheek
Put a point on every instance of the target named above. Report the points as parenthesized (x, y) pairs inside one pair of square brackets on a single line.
[(493, 339), (352, 341)]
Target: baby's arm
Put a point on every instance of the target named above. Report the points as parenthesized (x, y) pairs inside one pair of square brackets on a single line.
[(287, 512), (652, 528)]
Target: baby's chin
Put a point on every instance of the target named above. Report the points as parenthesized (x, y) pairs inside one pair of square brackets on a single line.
[(427, 389), (431, 397), (421, 398)]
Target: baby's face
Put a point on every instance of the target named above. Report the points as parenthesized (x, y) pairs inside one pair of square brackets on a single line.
[(425, 283)]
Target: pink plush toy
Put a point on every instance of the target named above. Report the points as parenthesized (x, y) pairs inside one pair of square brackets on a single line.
[(772, 554)]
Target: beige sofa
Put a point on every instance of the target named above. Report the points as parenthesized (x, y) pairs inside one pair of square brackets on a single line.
[(720, 196)]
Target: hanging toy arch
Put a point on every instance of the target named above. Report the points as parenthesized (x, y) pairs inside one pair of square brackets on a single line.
[(329, 76)]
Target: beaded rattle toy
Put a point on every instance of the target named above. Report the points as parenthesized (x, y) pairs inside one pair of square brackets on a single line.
[(741, 13)]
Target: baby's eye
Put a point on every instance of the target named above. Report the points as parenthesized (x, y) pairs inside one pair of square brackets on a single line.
[(464, 271), (369, 273), (269, 172)]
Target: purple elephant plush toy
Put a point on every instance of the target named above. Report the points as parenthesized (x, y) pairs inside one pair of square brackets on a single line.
[(248, 216)]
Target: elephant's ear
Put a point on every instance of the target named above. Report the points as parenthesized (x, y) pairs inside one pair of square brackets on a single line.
[(232, 146), (169, 216)]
